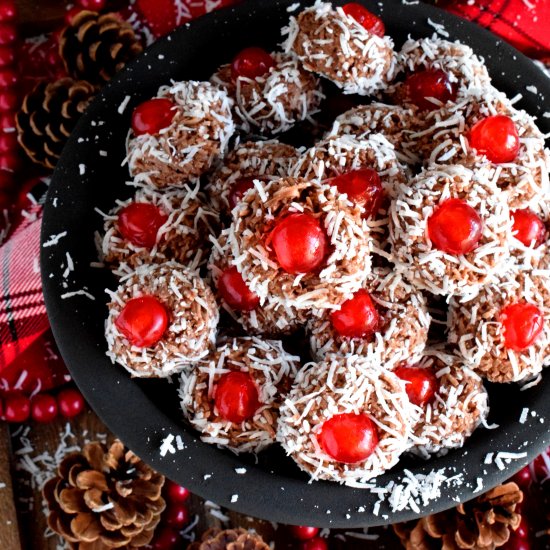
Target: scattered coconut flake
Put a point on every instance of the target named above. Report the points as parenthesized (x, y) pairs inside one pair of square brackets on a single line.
[(166, 445), (124, 104), (234, 498), (54, 239)]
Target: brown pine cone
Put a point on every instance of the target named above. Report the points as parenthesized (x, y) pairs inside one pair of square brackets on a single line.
[(48, 115), (230, 539), (94, 47), (483, 523), (104, 497)]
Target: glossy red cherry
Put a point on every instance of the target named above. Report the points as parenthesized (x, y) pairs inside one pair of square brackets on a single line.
[(152, 116), (348, 437), (93, 5), (523, 531), (357, 317), (7, 56), (143, 321), (8, 11), (176, 516), (528, 228), (365, 18), (8, 78), (455, 227), (301, 532), (421, 384), (9, 101), (362, 187), (70, 402), (522, 324), (7, 122), (523, 478), (8, 34), (139, 223), (175, 493), (43, 407), (238, 189), (316, 543), (166, 538), (430, 83), (8, 142), (71, 13), (10, 161), (496, 137), (17, 408), (236, 396), (300, 243), (235, 292), (251, 63)]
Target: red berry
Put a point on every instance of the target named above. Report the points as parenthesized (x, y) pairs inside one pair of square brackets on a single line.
[(523, 478), (528, 228), (17, 408), (176, 516), (8, 34), (357, 317), (317, 543), (522, 324), (251, 63), (166, 538), (430, 83), (70, 402), (175, 493), (421, 384), (8, 11), (299, 242), (455, 227), (8, 78), (8, 142), (349, 437), (365, 18), (362, 187), (139, 223), (7, 56), (238, 189), (143, 321), (7, 122), (301, 532), (71, 14), (9, 101), (43, 407), (11, 162), (152, 116), (93, 5), (235, 292), (496, 137), (523, 531), (236, 396), (540, 467), (516, 543)]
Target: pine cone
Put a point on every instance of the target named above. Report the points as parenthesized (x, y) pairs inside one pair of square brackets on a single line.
[(230, 539), (94, 47), (48, 115), (483, 523), (104, 498)]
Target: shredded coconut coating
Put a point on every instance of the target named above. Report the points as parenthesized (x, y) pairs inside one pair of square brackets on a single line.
[(344, 269), (272, 370), (267, 160), (476, 329), (193, 320), (460, 405), (337, 386), (402, 333), (275, 102), (196, 138), (336, 46), (429, 268), (182, 238)]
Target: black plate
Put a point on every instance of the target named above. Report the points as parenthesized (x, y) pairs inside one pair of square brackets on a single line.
[(142, 413)]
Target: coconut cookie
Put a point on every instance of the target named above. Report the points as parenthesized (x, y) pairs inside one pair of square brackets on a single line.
[(344, 44), (233, 397), (449, 230), (271, 92), (345, 421), (161, 318), (155, 227), (503, 332), (387, 322), (178, 135)]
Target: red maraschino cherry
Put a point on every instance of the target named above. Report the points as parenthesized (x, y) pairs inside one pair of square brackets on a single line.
[(421, 384), (528, 228), (251, 63), (143, 321), (238, 190), (349, 437), (236, 397), (152, 116), (139, 223), (357, 317), (496, 137), (420, 86), (235, 292), (455, 227), (300, 243), (365, 18), (362, 187), (522, 324), (302, 532)]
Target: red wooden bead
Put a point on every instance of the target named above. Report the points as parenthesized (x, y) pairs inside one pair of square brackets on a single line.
[(317, 543), (523, 478), (365, 18), (166, 538), (362, 187), (524, 530), (11, 162), (8, 11), (528, 228), (236, 396), (70, 402), (92, 5), (8, 78), (422, 85), (9, 101), (139, 223), (251, 63), (143, 321), (455, 227), (357, 317), (43, 407), (522, 324), (301, 532), (176, 516), (71, 13), (7, 56), (300, 243), (238, 189), (421, 384), (235, 292), (8, 142), (17, 408), (152, 116), (7, 122), (8, 34), (175, 493), (496, 137)]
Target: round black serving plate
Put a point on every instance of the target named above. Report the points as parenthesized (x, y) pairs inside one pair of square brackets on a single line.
[(142, 413)]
